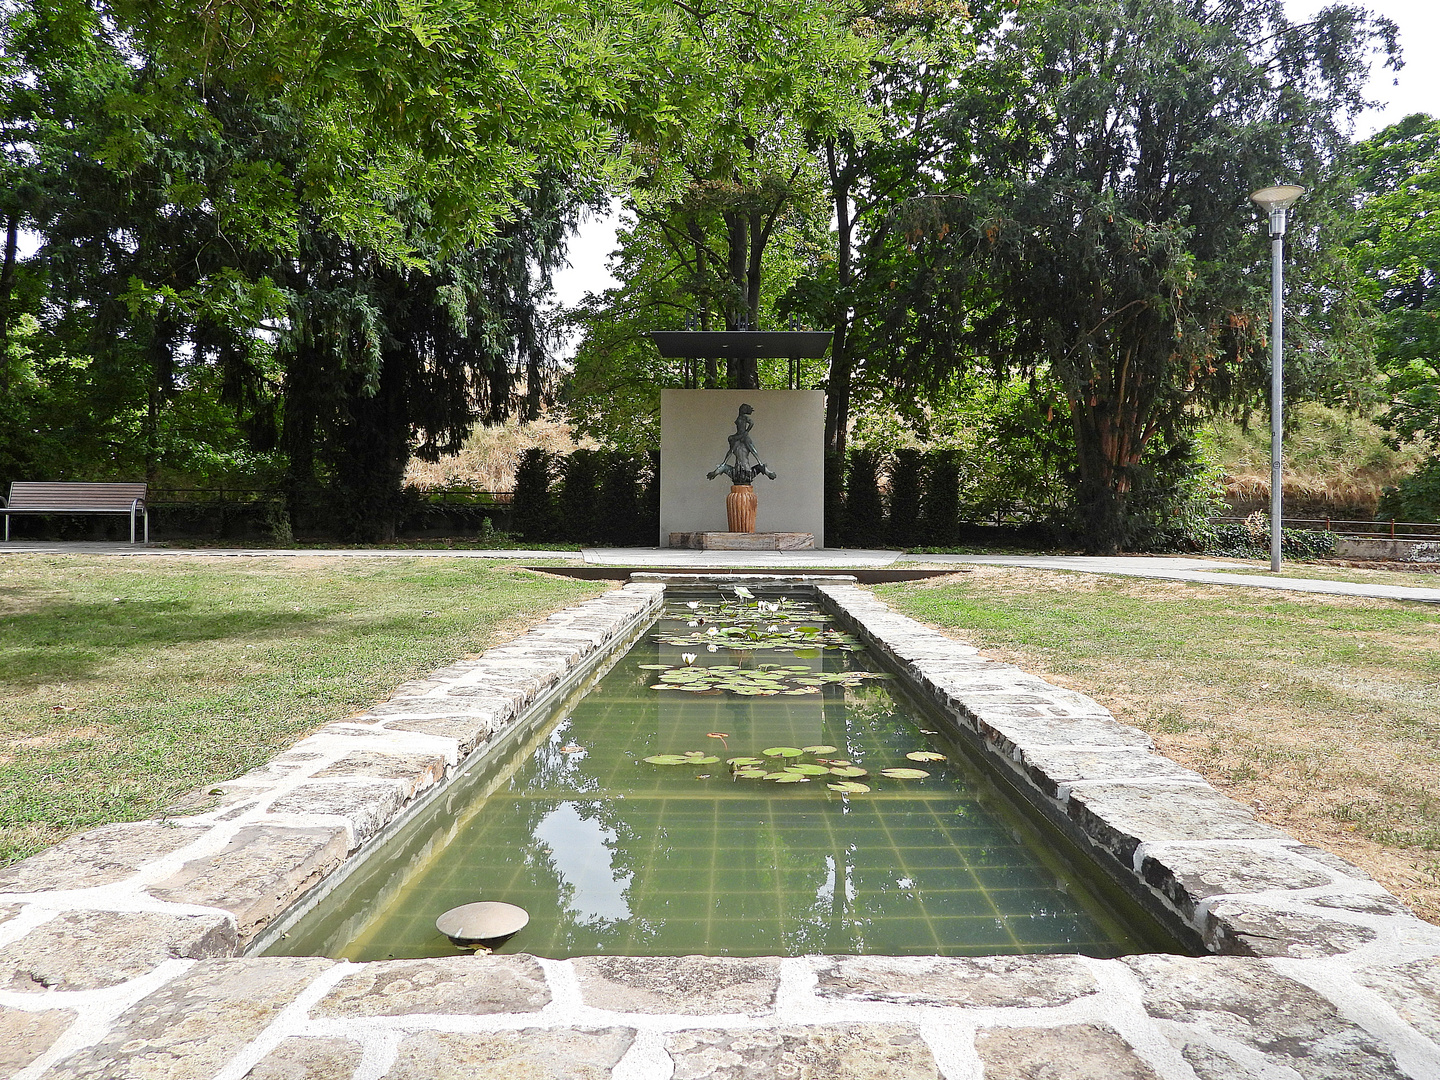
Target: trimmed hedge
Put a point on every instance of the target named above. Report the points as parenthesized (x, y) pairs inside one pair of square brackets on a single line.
[(588, 496)]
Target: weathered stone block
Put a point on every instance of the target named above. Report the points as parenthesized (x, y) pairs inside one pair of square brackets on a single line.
[(192, 1026), (258, 874), (1413, 991), (1225, 1010), (309, 1059), (851, 1051), (1188, 874), (572, 1054), (981, 982), (465, 985), (467, 731), (1245, 928), (416, 771), (1050, 767), (690, 985), (87, 950), (100, 856), (999, 724), (1074, 1052), (1122, 816), (368, 807), (24, 1036)]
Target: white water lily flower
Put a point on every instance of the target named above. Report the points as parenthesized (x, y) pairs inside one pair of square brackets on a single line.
[(740, 590), (688, 657), (771, 628), (713, 648), (692, 622), (712, 630), (692, 604)]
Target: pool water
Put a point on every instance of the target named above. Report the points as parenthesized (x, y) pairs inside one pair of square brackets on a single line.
[(612, 854)]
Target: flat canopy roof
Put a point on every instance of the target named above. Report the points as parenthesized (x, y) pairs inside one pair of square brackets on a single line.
[(804, 344)]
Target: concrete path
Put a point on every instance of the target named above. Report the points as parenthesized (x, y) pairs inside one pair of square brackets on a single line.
[(68, 547), (1164, 568), (779, 560), (1180, 569)]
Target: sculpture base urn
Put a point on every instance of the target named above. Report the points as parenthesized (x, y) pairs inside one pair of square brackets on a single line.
[(740, 508)]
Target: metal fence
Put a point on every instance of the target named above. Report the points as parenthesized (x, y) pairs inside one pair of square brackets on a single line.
[(1363, 530)]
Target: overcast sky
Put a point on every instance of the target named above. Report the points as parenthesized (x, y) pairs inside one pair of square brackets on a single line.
[(1415, 88)]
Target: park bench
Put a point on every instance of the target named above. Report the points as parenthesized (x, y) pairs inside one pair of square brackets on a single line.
[(38, 497)]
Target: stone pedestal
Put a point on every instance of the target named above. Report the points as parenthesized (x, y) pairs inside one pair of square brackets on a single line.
[(740, 507), (743, 541)]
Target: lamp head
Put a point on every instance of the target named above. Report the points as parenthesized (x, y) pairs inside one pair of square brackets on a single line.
[(1280, 197)]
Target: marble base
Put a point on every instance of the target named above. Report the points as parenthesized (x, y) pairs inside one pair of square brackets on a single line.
[(743, 541)]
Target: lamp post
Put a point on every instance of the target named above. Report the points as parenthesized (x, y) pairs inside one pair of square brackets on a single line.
[(1276, 201)]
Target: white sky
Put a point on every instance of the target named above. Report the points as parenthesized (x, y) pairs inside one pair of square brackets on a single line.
[(1414, 88)]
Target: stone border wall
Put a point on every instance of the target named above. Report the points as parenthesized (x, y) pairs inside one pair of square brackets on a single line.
[(118, 947)]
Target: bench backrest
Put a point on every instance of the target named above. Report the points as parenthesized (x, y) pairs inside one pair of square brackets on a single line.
[(42, 495)]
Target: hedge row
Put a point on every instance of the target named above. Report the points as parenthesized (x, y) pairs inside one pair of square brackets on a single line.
[(588, 496)]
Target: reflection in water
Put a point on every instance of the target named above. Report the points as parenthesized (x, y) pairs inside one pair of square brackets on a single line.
[(580, 850)]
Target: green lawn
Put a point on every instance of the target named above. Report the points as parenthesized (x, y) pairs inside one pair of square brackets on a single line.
[(1323, 713), (125, 682)]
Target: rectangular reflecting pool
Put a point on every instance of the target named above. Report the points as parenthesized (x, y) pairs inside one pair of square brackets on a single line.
[(744, 781)]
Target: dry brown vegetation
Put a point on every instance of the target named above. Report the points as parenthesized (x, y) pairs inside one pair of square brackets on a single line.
[(1321, 713), (1336, 464), (488, 459)]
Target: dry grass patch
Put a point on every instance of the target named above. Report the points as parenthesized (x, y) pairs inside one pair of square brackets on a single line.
[(1322, 713)]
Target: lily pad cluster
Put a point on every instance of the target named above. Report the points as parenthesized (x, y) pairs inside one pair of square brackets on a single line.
[(763, 680), (759, 624), (783, 765)]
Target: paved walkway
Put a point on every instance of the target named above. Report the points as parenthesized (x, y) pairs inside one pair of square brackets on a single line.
[(1165, 568), (1199, 570)]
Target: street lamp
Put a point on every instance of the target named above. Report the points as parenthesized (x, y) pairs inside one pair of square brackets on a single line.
[(1276, 201)]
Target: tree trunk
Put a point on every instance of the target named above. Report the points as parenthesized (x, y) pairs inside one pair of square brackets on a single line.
[(838, 385), (1106, 451), (7, 294)]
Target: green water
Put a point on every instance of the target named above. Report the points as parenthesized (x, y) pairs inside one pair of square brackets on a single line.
[(610, 854)]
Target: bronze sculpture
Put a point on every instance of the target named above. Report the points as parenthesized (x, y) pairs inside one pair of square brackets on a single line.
[(742, 461), (742, 464)]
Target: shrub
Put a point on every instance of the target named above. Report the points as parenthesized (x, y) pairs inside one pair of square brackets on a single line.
[(905, 487), (578, 501), (864, 509), (534, 512), (940, 501)]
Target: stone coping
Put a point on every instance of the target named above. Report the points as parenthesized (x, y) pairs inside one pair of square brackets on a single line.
[(121, 950)]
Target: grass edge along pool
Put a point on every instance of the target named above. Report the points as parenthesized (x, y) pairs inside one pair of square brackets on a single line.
[(743, 781)]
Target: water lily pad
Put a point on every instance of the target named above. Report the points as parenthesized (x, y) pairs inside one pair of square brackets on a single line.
[(802, 690), (849, 787), (668, 759), (708, 759), (782, 751), (778, 775), (820, 748), (806, 769), (849, 770), (741, 762), (925, 755), (654, 667), (791, 778), (750, 774), (904, 774)]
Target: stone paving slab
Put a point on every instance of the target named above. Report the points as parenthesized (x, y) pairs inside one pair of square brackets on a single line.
[(1074, 1051), (470, 986), (85, 950), (1336, 979), (692, 985)]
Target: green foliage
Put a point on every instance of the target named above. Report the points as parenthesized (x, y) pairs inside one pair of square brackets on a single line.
[(1109, 235), (1397, 247), (533, 507), (940, 500), (1416, 497), (1244, 542), (906, 498), (864, 508)]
